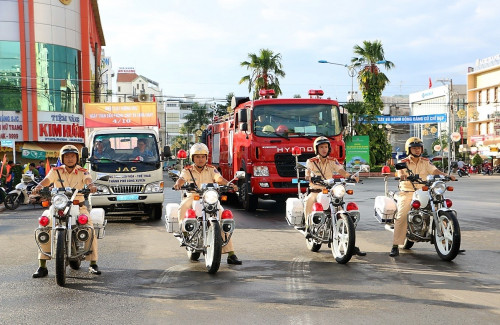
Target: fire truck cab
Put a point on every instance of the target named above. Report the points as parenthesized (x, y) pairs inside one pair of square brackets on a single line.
[(258, 137)]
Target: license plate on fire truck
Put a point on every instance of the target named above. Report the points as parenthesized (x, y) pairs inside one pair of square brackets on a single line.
[(130, 197)]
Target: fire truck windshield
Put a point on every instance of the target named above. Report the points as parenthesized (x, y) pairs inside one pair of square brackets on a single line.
[(296, 120)]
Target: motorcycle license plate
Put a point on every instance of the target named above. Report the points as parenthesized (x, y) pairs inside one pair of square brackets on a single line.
[(130, 197)]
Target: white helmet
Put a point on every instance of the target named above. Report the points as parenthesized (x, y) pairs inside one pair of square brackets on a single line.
[(198, 149)]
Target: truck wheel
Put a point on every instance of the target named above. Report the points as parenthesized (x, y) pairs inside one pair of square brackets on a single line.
[(248, 201)]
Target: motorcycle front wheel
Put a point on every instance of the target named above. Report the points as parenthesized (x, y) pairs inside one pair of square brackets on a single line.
[(344, 239), (408, 244), (214, 247), (447, 236), (61, 257), (12, 201)]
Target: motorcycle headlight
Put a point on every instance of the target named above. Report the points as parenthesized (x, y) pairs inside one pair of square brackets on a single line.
[(338, 191), (101, 189), (210, 197), (439, 188), (156, 187), (59, 201), (260, 171)]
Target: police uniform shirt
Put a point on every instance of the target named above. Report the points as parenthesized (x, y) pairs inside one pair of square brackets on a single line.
[(422, 167), (209, 174), (76, 179), (325, 169)]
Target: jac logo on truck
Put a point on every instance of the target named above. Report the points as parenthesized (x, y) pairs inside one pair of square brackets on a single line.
[(302, 149), (126, 169)]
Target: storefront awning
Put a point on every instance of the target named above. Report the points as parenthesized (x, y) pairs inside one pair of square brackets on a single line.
[(50, 150)]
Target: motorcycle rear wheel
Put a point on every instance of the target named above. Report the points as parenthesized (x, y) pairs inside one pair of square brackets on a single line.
[(193, 256), (214, 247), (312, 246), (12, 201), (408, 244), (343, 243), (448, 244), (61, 257)]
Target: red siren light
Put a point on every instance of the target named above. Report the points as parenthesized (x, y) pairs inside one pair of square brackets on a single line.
[(416, 204), (83, 219), (386, 170), (181, 154), (43, 221), (227, 214), (296, 151), (316, 92), (190, 214), (448, 203), (317, 207), (352, 206)]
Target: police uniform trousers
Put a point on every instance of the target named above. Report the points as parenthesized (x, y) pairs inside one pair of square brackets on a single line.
[(92, 257), (310, 199), (186, 204), (401, 221)]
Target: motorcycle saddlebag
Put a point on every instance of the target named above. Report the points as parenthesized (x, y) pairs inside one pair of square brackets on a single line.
[(385, 209), (97, 217), (294, 212), (171, 219)]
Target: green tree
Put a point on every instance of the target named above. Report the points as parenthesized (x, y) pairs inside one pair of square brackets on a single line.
[(265, 68), (372, 82), (476, 160), (223, 109), (199, 117)]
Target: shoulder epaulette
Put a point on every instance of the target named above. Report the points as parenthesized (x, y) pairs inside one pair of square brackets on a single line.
[(405, 160), (58, 168), (211, 166), (425, 159), (189, 167), (316, 159), (331, 158), (82, 169)]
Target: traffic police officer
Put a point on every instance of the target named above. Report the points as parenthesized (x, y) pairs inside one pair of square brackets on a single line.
[(418, 165), (202, 173), (74, 176), (325, 167)]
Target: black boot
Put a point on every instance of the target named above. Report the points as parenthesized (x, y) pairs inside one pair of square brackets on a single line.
[(358, 252), (233, 260), (41, 272), (394, 251), (94, 269)]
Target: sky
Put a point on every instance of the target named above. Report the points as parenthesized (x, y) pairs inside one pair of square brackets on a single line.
[(196, 46)]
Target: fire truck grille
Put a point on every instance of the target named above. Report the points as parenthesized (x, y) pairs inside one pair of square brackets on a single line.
[(285, 164), (123, 189)]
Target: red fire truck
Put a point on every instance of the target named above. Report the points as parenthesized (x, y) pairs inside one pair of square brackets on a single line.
[(258, 138)]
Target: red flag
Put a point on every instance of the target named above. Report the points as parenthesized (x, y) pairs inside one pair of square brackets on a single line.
[(47, 167), (430, 83), (4, 161)]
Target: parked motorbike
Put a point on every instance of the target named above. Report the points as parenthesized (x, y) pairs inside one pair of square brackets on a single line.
[(331, 221), (3, 193), (21, 194), (487, 170), (200, 230), (173, 174), (70, 234), (430, 218)]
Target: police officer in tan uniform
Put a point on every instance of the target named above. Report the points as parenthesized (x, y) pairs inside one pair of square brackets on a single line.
[(418, 165), (324, 167), (74, 176), (201, 173)]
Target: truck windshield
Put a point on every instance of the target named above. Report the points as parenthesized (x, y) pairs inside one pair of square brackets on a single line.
[(296, 120), (123, 147)]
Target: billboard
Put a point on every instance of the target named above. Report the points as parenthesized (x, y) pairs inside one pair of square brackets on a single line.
[(357, 154), (99, 115)]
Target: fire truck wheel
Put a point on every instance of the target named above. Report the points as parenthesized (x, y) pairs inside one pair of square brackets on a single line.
[(248, 201)]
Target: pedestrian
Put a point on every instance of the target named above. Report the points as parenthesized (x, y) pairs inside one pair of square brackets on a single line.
[(41, 168)]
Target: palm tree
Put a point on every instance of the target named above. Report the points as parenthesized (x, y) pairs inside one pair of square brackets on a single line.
[(265, 69), (199, 116), (372, 82)]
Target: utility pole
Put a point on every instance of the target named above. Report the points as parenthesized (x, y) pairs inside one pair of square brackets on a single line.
[(451, 122)]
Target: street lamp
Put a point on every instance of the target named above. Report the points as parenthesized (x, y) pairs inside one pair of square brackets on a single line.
[(451, 122), (351, 71)]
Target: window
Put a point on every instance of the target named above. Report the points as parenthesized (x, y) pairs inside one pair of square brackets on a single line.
[(495, 95), (119, 88), (57, 80), (479, 98), (10, 76), (487, 91)]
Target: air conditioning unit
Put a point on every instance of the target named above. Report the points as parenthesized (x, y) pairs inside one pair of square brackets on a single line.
[(144, 98)]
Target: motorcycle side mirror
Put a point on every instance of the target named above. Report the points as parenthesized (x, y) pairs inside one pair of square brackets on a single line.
[(400, 166), (240, 175)]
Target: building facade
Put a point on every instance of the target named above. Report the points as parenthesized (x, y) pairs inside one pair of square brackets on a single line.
[(49, 60), (483, 97)]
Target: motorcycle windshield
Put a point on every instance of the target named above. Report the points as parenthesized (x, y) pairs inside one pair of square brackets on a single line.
[(125, 153)]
